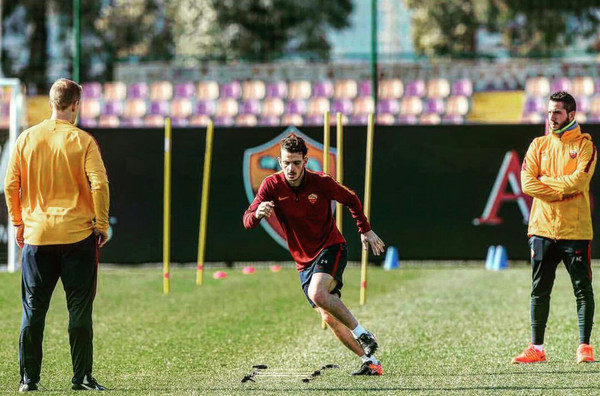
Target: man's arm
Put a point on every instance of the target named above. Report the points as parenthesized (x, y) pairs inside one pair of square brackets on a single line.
[(261, 206), (96, 174), (12, 192), (578, 181), (529, 177)]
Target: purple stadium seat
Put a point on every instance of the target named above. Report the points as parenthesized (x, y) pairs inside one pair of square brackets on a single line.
[(231, 89), (269, 121), (464, 87), (179, 122), (594, 118), (389, 106), (88, 122), (224, 121), (292, 119), (207, 107), (343, 106), (108, 121), (561, 84), (277, 89), (132, 122), (314, 120), (534, 105), (434, 105), (584, 104), (251, 106), (113, 108), (386, 119), (390, 89), (323, 89), (407, 119), (185, 90), (159, 108), (345, 89), (359, 119), (154, 120), (138, 90), (452, 119), (296, 106), (246, 120), (415, 88), (365, 88), (91, 90)]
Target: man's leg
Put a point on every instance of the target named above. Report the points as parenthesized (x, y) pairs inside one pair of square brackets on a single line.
[(39, 276), (544, 260), (319, 291), (577, 262), (341, 332), (79, 268)]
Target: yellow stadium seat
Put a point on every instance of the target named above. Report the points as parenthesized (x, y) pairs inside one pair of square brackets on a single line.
[(391, 89), (386, 119), (430, 119), (457, 105), (207, 90), (411, 105), (581, 117), (438, 88), (134, 108), (254, 89), (537, 86), (583, 86), (272, 107), (161, 90), (317, 106), (90, 108), (227, 107), (181, 108), (595, 105), (301, 89), (345, 89), (199, 120), (154, 120), (532, 118), (291, 119), (108, 121), (115, 91), (363, 105), (247, 120)]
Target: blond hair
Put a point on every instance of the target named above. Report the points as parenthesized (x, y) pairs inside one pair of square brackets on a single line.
[(64, 93)]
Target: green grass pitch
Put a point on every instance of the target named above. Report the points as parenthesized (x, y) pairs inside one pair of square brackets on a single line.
[(449, 330)]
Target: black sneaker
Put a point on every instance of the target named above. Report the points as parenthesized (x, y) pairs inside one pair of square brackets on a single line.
[(369, 368), (89, 383), (23, 387), (368, 342)]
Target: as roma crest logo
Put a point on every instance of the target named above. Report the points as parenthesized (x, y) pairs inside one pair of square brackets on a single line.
[(261, 161), (312, 198), (573, 153)]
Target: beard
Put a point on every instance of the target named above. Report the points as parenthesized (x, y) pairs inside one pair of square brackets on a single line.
[(562, 125)]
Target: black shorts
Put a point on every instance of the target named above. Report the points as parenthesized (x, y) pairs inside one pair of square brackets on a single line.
[(332, 260)]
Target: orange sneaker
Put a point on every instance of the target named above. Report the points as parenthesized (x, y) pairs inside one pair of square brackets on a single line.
[(585, 354), (530, 355)]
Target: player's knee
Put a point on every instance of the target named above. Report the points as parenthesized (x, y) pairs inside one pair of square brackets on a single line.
[(317, 296)]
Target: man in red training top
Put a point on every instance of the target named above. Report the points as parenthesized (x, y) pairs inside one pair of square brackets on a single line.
[(301, 200)]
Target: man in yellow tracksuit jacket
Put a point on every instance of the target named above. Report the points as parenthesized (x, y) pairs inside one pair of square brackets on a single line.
[(556, 172), (56, 191)]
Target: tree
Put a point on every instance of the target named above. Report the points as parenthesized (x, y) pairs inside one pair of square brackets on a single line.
[(263, 30)]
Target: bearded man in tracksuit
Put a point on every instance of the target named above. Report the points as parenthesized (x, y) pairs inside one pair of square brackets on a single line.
[(556, 172), (301, 200)]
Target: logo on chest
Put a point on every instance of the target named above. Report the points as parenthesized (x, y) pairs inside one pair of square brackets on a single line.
[(573, 153), (312, 198)]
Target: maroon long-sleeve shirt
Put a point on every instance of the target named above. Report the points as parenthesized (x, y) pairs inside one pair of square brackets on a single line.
[(305, 213)]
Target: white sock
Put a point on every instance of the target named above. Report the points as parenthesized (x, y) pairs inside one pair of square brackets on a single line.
[(358, 331), (365, 358), (539, 347)]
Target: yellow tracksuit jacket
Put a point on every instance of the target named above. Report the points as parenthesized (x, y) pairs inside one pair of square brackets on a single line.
[(556, 165), (56, 184)]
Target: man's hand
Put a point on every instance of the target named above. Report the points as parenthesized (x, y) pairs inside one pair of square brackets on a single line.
[(569, 196), (102, 237), (370, 238), (19, 230), (265, 209)]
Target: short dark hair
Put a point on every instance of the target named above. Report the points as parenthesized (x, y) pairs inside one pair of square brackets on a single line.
[(294, 144), (567, 100)]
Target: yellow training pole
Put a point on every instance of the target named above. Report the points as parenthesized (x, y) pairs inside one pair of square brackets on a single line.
[(167, 210), (326, 143), (367, 206), (204, 204), (339, 167)]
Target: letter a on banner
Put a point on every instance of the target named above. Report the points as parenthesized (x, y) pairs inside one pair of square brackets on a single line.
[(510, 173)]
